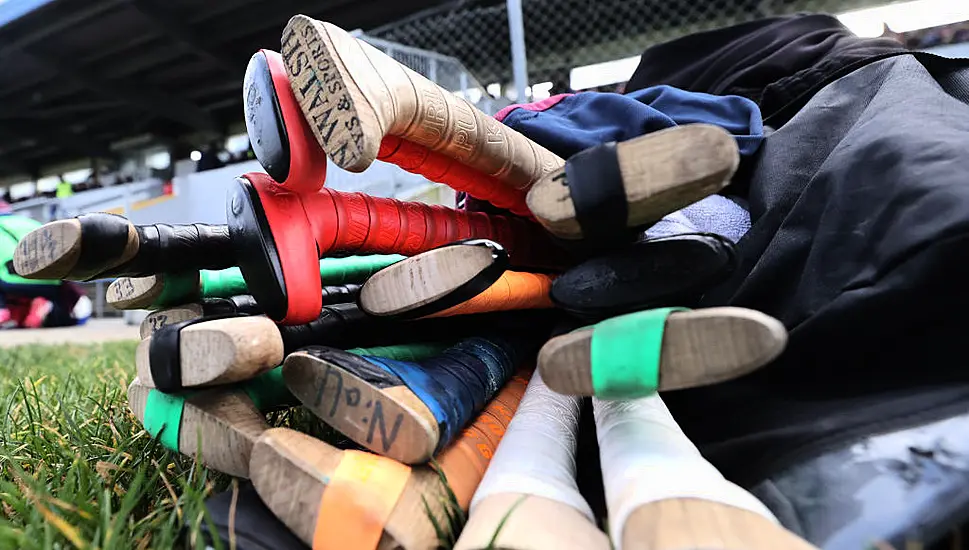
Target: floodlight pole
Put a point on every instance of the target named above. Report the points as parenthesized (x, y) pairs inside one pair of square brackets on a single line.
[(516, 28)]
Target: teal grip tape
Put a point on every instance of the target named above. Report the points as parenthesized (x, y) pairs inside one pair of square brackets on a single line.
[(177, 288), (224, 283), (626, 353), (163, 413), (268, 391)]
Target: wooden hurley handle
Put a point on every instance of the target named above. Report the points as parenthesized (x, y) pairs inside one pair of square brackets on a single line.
[(686, 523), (349, 500), (212, 353), (353, 95), (663, 495), (220, 425), (434, 280), (695, 348)]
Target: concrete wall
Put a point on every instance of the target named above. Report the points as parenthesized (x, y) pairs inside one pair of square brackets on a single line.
[(200, 197)]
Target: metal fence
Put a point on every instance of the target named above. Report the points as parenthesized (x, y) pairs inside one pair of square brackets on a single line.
[(561, 35), (448, 72)]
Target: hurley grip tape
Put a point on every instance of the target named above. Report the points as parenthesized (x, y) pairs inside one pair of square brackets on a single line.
[(457, 383), (361, 224), (537, 454), (466, 460), (597, 192), (626, 353), (165, 356), (163, 414), (358, 500), (104, 238), (195, 246), (514, 290), (646, 457), (337, 325), (441, 168)]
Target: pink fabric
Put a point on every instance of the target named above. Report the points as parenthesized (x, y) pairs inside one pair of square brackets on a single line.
[(39, 308), (542, 105)]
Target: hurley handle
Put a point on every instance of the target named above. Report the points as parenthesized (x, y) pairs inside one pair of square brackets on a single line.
[(441, 168), (346, 325), (465, 461), (512, 291), (162, 247), (376, 225)]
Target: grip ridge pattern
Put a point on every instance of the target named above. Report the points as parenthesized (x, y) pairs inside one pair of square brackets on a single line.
[(377, 225), (440, 168)]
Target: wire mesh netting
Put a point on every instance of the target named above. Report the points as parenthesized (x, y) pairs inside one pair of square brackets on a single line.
[(562, 35)]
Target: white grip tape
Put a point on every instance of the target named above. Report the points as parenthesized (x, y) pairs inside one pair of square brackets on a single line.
[(646, 457), (537, 454)]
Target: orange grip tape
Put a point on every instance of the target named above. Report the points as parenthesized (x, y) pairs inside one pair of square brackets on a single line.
[(464, 462), (440, 168), (358, 500), (513, 290)]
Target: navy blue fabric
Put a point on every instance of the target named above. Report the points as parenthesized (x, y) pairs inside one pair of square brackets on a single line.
[(586, 119), (457, 384)]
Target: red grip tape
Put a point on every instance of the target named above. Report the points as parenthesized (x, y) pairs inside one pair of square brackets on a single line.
[(440, 168), (362, 224)]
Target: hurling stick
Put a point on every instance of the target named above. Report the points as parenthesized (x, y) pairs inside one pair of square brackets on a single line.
[(220, 425), (351, 500), (170, 289), (663, 495), (532, 477), (215, 351), (603, 192), (354, 95), (405, 410), (457, 279), (99, 245), (236, 305), (638, 354)]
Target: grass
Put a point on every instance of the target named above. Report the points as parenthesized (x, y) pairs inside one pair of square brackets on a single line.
[(78, 471)]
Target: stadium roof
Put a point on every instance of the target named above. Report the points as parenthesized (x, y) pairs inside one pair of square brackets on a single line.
[(81, 75)]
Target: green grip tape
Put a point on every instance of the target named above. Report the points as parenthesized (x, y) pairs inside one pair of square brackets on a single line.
[(224, 283), (354, 269), (407, 352), (626, 352), (177, 288), (268, 391), (163, 413), (181, 288)]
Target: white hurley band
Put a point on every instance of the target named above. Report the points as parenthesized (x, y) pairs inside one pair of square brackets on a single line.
[(537, 454), (646, 457)]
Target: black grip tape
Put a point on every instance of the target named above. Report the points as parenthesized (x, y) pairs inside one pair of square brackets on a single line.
[(598, 196), (190, 247), (333, 328), (242, 305), (103, 241), (346, 326), (340, 294), (165, 357)]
